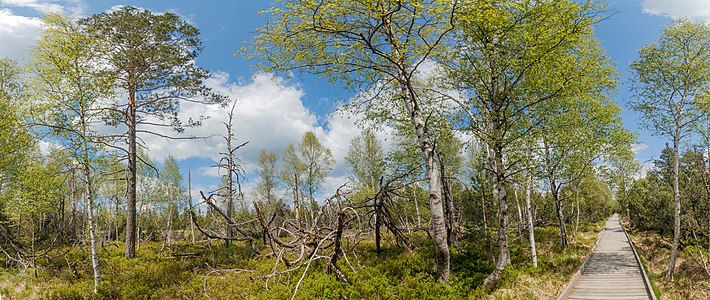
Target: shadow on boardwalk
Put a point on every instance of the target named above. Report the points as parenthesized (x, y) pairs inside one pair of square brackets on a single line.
[(611, 271)]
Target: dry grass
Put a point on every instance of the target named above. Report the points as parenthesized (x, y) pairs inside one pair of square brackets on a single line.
[(520, 281), (691, 281), (18, 286)]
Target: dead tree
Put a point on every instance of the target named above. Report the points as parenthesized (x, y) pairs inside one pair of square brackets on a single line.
[(335, 231)]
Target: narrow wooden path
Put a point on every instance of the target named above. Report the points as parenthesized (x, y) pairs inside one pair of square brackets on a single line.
[(612, 270)]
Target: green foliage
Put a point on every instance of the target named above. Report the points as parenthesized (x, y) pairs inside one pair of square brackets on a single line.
[(168, 73), (15, 142), (671, 78), (366, 160), (650, 198), (238, 272), (348, 42), (310, 161)]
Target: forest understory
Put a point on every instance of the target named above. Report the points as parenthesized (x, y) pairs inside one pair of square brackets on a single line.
[(486, 149), (200, 271)]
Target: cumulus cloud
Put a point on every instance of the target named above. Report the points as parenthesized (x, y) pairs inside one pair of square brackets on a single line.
[(17, 34), (19, 31), (39, 6), (636, 148), (695, 9), (269, 114)]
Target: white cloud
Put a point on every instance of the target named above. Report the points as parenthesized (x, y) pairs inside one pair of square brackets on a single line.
[(269, 114), (695, 9), (636, 148), (209, 172), (46, 147), (17, 34), (39, 6), (19, 31), (645, 167)]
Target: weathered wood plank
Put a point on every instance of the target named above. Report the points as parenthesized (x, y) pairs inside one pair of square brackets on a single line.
[(611, 271)]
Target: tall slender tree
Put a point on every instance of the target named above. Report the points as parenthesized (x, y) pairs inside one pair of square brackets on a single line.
[(232, 179), (306, 167), (170, 181), (366, 160), (268, 174), (364, 45), (512, 57), (68, 88), (672, 88)]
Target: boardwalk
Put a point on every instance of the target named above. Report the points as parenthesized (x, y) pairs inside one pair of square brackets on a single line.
[(611, 271)]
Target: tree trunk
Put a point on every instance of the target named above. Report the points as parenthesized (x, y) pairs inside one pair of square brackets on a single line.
[(483, 209), (92, 230), (520, 213), (296, 204), (115, 219), (501, 194), (438, 220), (230, 184), (416, 208), (676, 198), (449, 206), (170, 225), (576, 224), (554, 190), (378, 222), (131, 175), (560, 214), (531, 228), (189, 202), (89, 198), (73, 206)]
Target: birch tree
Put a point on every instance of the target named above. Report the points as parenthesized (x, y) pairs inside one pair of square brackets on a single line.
[(306, 166), (366, 160), (15, 142), (576, 133), (361, 45), (511, 57), (67, 89), (672, 85)]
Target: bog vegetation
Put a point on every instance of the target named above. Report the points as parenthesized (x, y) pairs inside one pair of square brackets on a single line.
[(509, 152)]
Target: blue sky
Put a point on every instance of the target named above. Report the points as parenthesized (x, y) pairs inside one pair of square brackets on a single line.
[(271, 113)]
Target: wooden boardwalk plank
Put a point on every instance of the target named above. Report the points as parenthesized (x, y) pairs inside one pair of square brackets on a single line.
[(611, 271)]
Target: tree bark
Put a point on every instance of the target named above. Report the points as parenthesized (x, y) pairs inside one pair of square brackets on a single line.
[(554, 190), (131, 175), (73, 206), (576, 224), (89, 198), (560, 212), (501, 194), (449, 206), (378, 221), (189, 202), (230, 184), (520, 213), (676, 198), (416, 207), (92, 230), (438, 220), (531, 228), (296, 204)]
